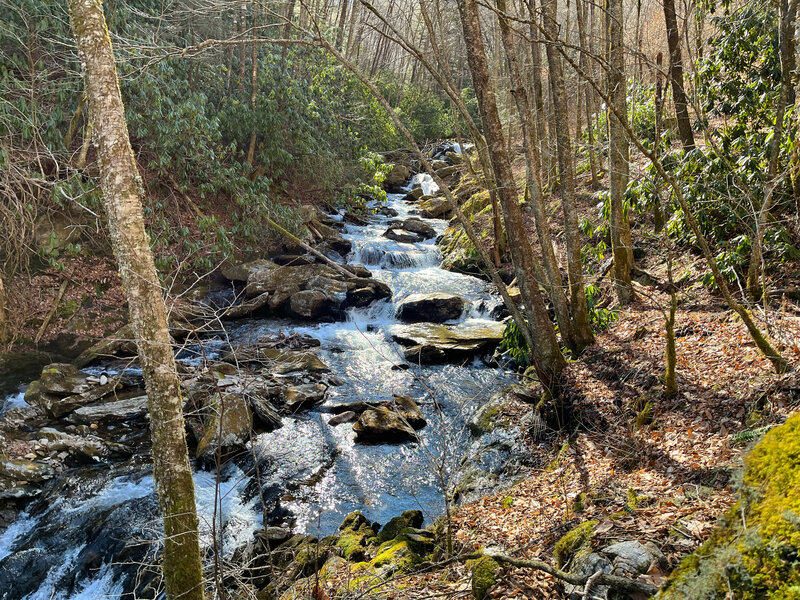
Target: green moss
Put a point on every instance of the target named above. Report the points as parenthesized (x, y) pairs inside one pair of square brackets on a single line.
[(761, 559), (645, 416), (352, 547), (396, 554), (579, 503), (572, 542), (507, 502), (484, 576)]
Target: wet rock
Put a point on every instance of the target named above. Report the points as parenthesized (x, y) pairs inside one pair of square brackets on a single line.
[(11, 489), (63, 388), (398, 234), (439, 164), (387, 211), (296, 276), (412, 196), (23, 470), (119, 410), (265, 416), (313, 304), (297, 397), (429, 342), (382, 425), (63, 379), (227, 426), (416, 225), (434, 208), (347, 416), (355, 219), (447, 171), (397, 177), (431, 308), (84, 448), (248, 307), (408, 410), (362, 292)]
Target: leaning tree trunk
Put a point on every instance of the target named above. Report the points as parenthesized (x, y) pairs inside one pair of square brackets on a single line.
[(566, 169), (618, 156), (676, 76), (122, 191), (548, 360)]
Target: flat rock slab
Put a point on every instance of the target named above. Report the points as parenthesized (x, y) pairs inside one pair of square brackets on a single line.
[(430, 342), (118, 410)]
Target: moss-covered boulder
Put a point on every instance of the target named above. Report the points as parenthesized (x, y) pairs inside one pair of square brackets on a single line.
[(356, 533), (755, 552), (394, 556), (575, 541), (396, 525), (484, 576)]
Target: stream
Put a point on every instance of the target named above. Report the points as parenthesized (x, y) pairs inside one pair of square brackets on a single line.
[(90, 530)]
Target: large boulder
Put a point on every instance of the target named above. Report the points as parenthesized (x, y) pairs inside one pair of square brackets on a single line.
[(432, 308), (382, 425), (397, 177), (243, 271), (431, 343), (434, 208), (227, 426)]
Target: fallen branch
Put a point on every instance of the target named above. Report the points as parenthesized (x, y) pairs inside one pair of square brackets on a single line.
[(341, 269), (615, 581), (53, 309)]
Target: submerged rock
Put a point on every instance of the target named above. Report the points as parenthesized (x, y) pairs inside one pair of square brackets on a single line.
[(431, 308), (381, 425)]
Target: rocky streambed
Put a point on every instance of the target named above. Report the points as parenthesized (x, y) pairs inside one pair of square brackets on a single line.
[(330, 388)]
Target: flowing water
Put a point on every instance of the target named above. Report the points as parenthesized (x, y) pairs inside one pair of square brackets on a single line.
[(86, 535)]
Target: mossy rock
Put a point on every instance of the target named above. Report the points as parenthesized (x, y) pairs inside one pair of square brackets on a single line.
[(484, 576), (486, 418), (392, 529), (396, 556), (573, 542), (763, 559)]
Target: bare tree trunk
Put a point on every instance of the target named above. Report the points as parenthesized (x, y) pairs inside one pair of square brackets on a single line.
[(342, 21), (676, 74), (566, 169), (242, 47), (3, 316), (287, 28), (555, 283), (618, 156), (538, 92), (587, 93), (658, 211), (251, 150), (121, 186), (547, 357), (788, 11)]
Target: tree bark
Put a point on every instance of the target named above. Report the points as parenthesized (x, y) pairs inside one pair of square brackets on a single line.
[(566, 169), (788, 12), (555, 283), (251, 149), (122, 191), (342, 21), (676, 74), (618, 155), (547, 357)]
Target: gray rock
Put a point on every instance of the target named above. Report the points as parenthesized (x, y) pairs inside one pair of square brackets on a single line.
[(243, 271), (118, 410), (629, 557), (248, 307), (429, 342), (397, 177), (312, 304), (418, 226), (408, 410), (430, 308), (23, 470), (227, 426)]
